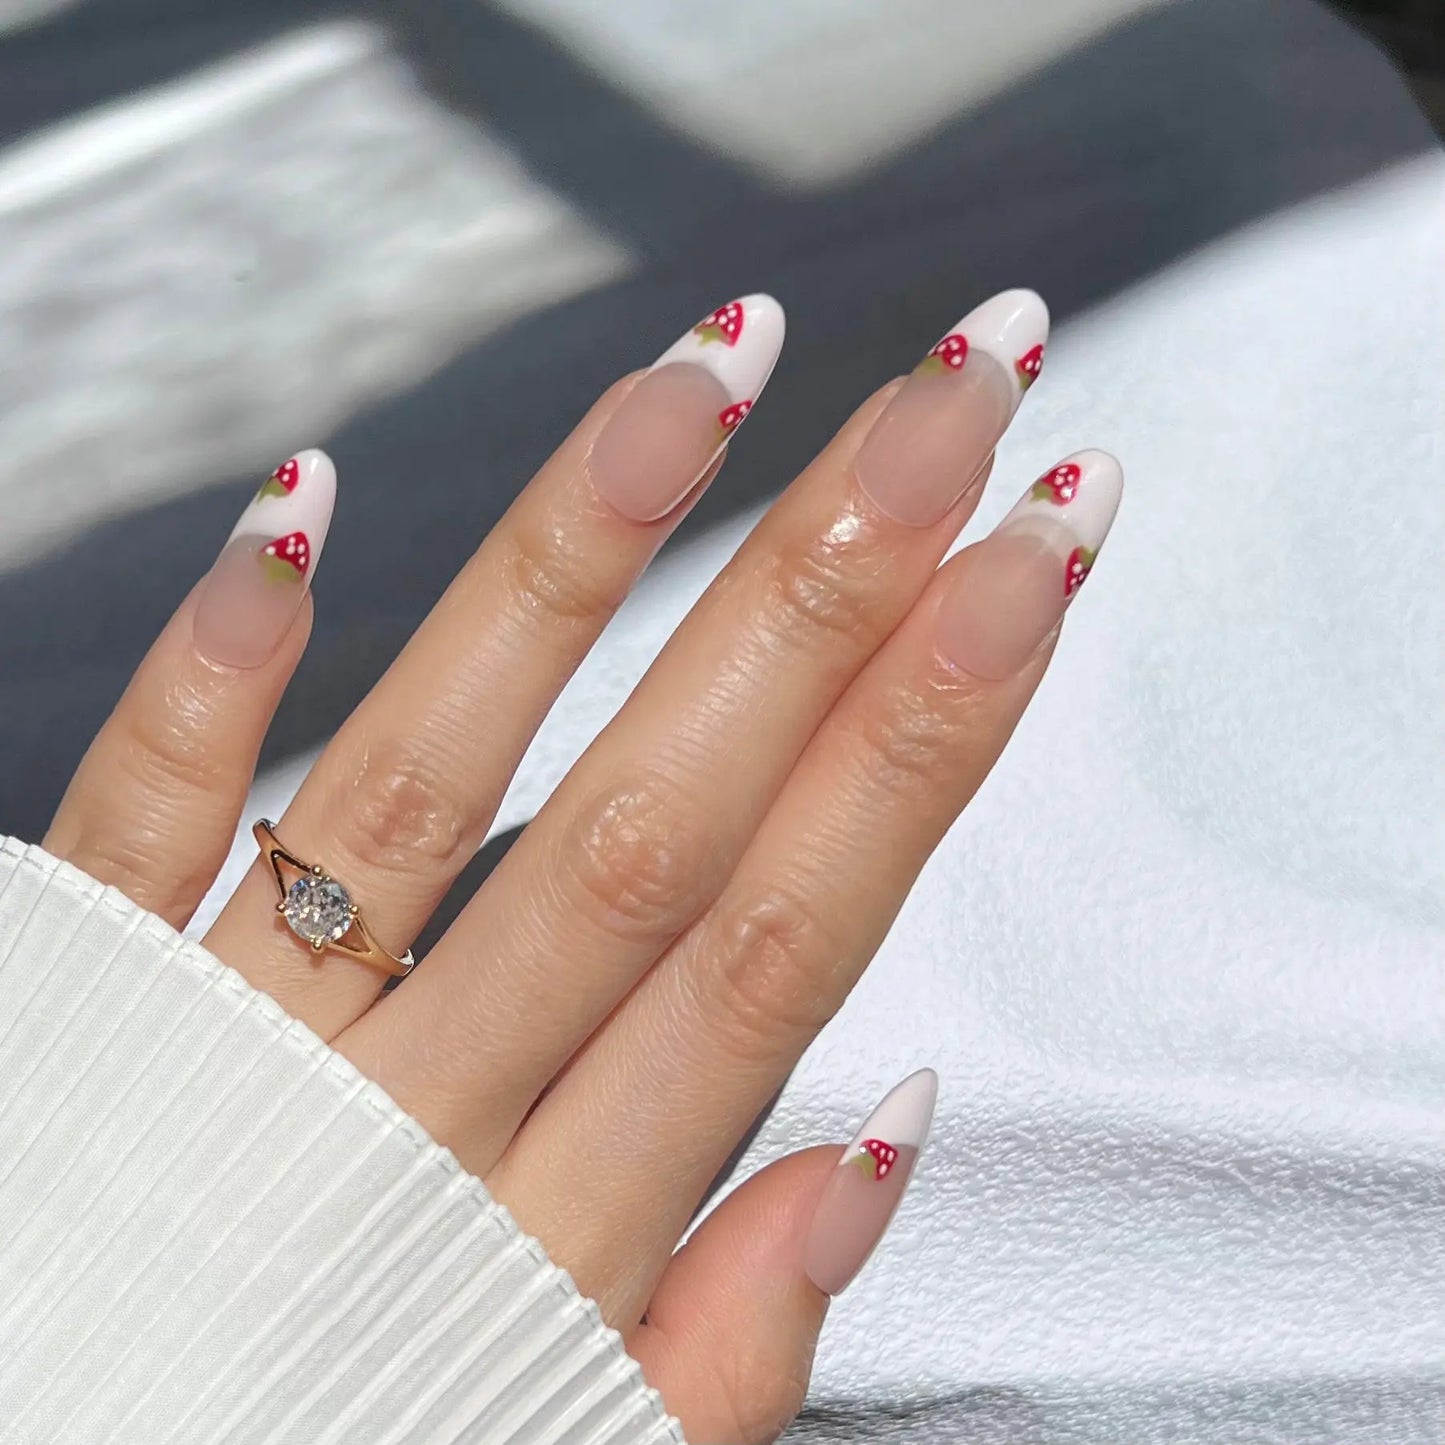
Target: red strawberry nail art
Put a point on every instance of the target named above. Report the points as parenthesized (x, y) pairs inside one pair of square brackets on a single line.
[(1029, 365), (950, 354), (1081, 559), (729, 417), (1058, 486), (287, 558), (725, 324), (875, 1158), (281, 482)]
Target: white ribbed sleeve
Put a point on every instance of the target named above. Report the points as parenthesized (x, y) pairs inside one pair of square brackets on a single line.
[(213, 1228)]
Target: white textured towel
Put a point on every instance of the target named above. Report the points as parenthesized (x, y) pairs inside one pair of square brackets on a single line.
[(212, 1228), (1182, 965)]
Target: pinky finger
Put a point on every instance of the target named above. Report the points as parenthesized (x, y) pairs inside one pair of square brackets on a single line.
[(153, 806), (730, 1333)]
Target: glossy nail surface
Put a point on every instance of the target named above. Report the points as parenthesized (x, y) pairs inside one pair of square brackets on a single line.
[(931, 441), (250, 598), (864, 1191), (1011, 589), (673, 423)]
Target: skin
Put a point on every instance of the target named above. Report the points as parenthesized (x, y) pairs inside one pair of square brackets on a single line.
[(609, 1014)]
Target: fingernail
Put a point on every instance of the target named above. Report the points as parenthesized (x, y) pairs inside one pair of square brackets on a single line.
[(1011, 589), (933, 438), (675, 421), (251, 596), (864, 1191)]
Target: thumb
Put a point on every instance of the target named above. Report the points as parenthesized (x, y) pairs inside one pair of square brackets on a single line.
[(729, 1336)]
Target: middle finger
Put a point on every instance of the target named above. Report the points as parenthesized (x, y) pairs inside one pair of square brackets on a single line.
[(644, 832)]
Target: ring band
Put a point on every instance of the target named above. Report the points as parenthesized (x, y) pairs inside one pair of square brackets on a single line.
[(319, 910)]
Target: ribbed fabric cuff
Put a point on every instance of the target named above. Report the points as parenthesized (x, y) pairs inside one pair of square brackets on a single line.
[(212, 1227)]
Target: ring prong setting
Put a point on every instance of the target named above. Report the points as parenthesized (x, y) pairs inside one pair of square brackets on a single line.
[(319, 910)]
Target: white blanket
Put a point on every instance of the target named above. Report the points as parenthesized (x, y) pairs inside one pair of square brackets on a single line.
[(1182, 964)]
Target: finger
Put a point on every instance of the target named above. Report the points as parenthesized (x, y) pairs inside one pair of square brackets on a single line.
[(730, 1332), (153, 806), (731, 1328), (403, 796), (644, 832), (648, 1111)]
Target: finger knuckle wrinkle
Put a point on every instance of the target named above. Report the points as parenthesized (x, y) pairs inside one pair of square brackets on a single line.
[(551, 581), (774, 954), (401, 812), (637, 859), (173, 752), (819, 589), (909, 744), (139, 865)]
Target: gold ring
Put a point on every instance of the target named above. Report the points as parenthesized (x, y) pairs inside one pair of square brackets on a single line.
[(319, 910)]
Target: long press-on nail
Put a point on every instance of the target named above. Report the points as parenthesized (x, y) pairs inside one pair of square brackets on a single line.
[(1011, 589), (673, 423), (250, 598), (925, 450), (864, 1191)]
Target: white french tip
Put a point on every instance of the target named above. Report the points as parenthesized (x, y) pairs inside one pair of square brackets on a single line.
[(739, 344), (1012, 328), (1092, 512), (1073, 503), (306, 508), (318, 474), (904, 1116)]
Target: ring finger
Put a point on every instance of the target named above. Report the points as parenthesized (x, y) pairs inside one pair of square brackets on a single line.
[(403, 795)]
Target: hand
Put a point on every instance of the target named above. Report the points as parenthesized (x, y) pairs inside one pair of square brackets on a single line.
[(603, 1022)]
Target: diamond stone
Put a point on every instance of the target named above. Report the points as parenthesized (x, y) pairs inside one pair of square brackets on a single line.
[(318, 909)]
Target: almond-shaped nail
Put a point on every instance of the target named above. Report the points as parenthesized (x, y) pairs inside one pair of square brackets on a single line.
[(1011, 589), (679, 416), (864, 1191), (930, 443), (250, 598)]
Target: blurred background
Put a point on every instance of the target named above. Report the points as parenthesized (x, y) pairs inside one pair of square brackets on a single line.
[(1188, 1183), (426, 235)]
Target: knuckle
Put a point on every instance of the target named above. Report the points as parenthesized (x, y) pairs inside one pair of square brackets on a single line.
[(829, 590), (143, 813), (774, 975), (171, 750), (141, 866), (913, 741), (638, 858), (552, 581), (400, 812)]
